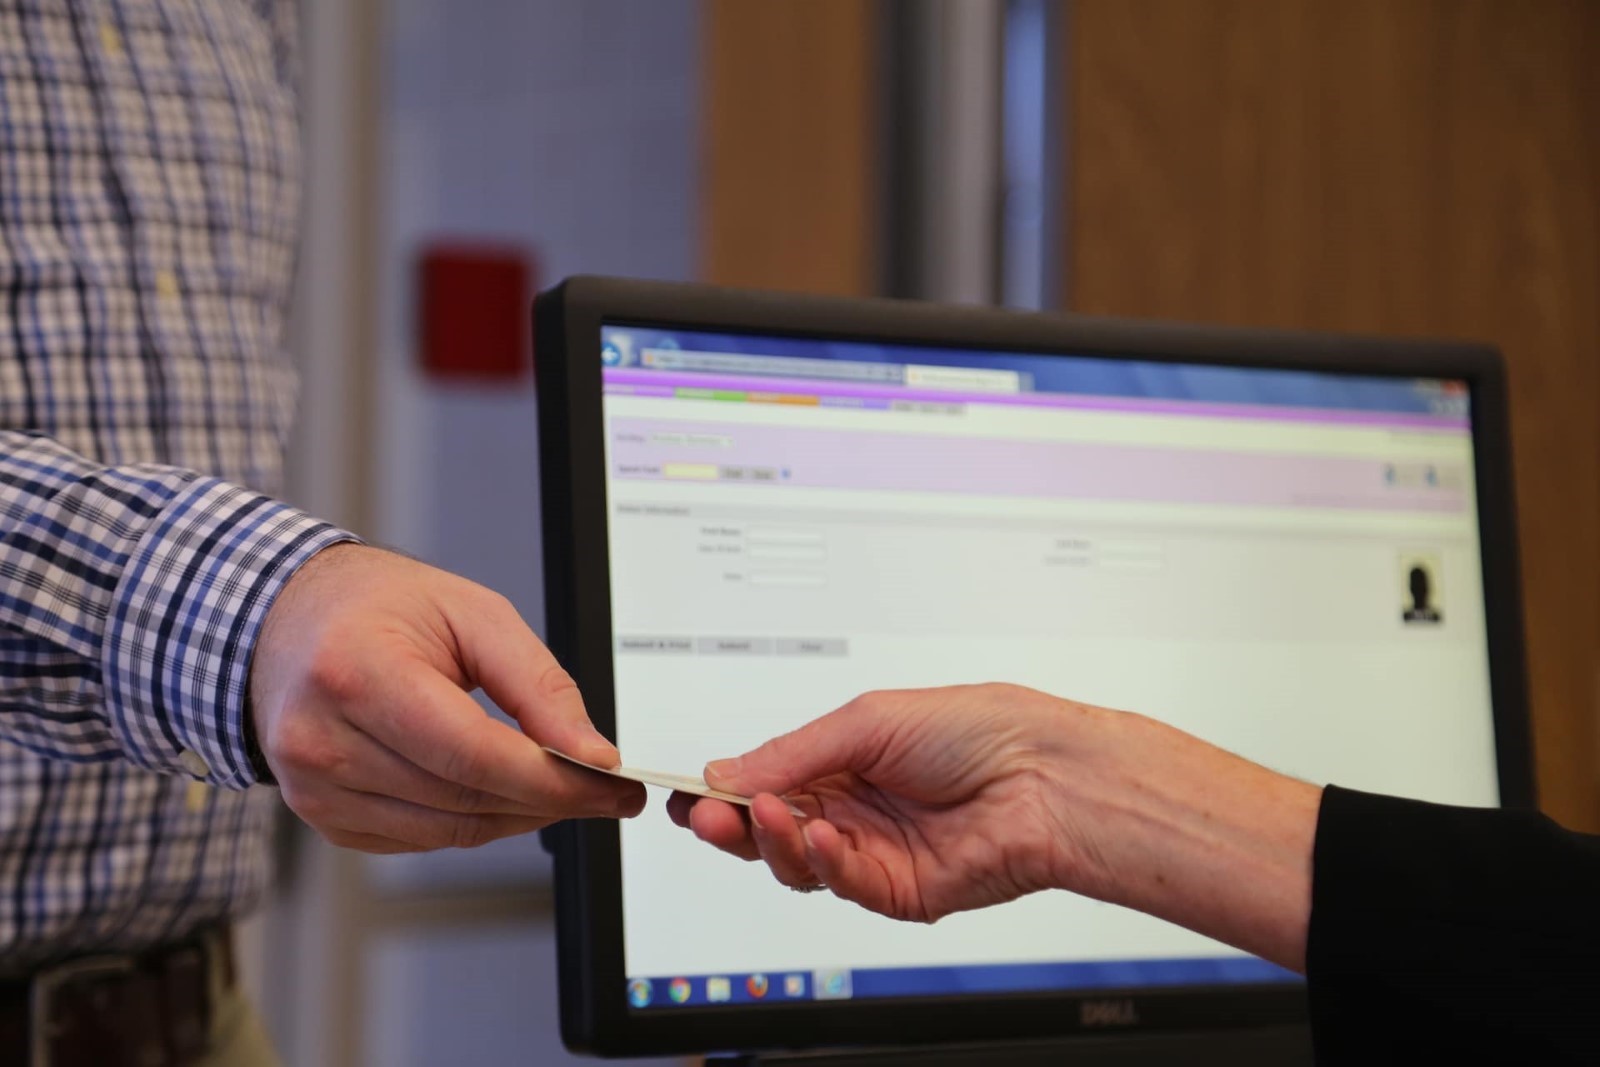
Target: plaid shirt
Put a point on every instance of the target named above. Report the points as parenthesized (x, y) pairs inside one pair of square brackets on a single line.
[(148, 209)]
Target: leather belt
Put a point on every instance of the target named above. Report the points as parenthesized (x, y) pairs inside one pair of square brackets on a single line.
[(150, 1009)]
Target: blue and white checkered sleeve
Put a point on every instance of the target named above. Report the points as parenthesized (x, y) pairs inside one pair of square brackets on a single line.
[(130, 603)]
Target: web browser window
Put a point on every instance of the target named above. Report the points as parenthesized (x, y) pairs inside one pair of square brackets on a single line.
[(1281, 562)]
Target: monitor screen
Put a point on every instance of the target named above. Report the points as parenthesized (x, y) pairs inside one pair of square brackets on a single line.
[(1283, 562)]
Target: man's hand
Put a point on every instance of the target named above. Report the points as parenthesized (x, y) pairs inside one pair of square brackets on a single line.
[(360, 689)]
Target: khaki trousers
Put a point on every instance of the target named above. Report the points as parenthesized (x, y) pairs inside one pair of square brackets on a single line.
[(238, 1038)]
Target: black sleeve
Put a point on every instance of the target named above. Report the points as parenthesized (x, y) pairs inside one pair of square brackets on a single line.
[(1451, 934)]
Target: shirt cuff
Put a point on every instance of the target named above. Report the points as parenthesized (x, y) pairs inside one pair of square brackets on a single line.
[(184, 623)]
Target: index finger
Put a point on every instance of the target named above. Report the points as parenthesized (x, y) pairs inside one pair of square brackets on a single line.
[(849, 738), (516, 670), (426, 718)]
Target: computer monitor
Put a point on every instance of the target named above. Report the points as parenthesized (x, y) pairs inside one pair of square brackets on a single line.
[(758, 506)]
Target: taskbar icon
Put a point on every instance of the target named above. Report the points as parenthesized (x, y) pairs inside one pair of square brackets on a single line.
[(831, 985)]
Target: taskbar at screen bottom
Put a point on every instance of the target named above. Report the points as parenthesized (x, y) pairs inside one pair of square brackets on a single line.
[(778, 987)]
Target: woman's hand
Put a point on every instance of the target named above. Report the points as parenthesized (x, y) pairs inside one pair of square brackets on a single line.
[(919, 803)]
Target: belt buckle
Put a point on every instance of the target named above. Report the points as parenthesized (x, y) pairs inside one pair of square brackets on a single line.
[(51, 980)]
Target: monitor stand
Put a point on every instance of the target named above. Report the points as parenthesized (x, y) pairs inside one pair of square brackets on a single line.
[(1269, 1046)]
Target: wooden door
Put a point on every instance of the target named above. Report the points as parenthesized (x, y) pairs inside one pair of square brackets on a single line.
[(789, 163), (1416, 167)]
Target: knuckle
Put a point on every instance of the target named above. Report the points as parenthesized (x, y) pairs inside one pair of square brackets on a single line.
[(296, 742), (498, 603), (469, 800), (335, 675), (488, 605), (307, 805), (307, 749), (1001, 692), (554, 681), (341, 838), (867, 704), (464, 764), (313, 810), (327, 761), (470, 832)]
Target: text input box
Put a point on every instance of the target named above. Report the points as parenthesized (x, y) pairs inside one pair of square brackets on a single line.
[(690, 472), (782, 535), (783, 553), (787, 579)]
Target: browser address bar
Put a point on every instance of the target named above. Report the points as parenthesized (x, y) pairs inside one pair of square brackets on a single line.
[(774, 366), (964, 379)]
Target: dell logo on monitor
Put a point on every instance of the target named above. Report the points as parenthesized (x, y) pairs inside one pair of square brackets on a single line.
[(1108, 1012)]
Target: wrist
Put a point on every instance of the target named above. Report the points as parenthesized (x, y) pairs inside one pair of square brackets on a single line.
[(184, 621), (279, 632), (1077, 787), (1164, 823)]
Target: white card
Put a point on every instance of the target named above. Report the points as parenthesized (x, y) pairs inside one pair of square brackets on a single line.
[(682, 783)]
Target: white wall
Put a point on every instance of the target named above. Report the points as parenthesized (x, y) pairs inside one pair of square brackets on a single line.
[(568, 128), (571, 129)]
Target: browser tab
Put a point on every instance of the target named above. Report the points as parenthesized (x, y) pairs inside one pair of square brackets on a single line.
[(963, 379)]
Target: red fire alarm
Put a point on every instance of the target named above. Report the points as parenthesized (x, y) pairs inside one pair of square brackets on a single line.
[(474, 304)]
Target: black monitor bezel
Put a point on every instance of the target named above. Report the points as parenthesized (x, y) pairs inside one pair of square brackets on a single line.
[(568, 319)]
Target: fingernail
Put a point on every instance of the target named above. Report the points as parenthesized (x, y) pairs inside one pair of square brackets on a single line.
[(723, 769), (756, 819), (805, 832)]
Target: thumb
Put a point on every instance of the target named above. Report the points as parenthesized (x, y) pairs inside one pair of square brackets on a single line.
[(848, 739), (520, 675)]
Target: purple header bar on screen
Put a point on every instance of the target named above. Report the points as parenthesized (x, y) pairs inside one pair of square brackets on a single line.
[(660, 449), (636, 381)]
